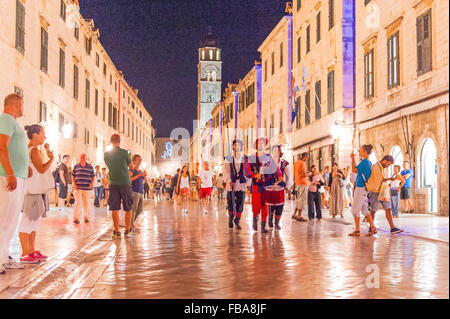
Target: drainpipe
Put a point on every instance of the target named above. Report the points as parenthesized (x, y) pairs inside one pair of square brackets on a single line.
[(289, 66), (258, 68), (118, 112)]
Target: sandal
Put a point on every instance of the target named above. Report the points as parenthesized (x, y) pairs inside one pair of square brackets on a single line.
[(356, 233), (372, 231)]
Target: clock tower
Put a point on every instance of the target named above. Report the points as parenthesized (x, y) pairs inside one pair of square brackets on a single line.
[(209, 77)]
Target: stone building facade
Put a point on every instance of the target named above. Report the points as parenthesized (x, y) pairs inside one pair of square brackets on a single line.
[(323, 123), (402, 90), (52, 56)]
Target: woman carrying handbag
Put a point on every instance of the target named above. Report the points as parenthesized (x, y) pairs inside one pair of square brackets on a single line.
[(36, 202)]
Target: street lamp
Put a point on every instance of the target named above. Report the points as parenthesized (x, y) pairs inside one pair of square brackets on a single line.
[(67, 130), (336, 130)]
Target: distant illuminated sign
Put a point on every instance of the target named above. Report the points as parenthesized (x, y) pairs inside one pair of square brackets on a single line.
[(168, 151)]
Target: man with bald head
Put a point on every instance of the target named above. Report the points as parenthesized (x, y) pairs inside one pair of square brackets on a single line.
[(83, 181), (14, 171)]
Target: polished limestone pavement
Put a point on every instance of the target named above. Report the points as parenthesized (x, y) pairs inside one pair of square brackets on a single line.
[(196, 255)]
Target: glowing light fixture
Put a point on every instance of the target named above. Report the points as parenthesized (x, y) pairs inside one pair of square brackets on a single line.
[(108, 148), (336, 131), (67, 130)]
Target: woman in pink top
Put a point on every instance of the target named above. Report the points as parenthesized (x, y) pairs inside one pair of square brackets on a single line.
[(315, 182)]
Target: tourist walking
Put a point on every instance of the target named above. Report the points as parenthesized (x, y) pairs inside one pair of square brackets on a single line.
[(173, 188), (324, 193), (379, 192), (137, 185), (220, 187), (97, 186), (64, 178), (395, 189), (315, 183), (236, 183), (36, 201), (194, 186), (167, 186), (14, 171), (120, 195), (301, 186), (405, 192), (83, 181), (360, 204), (336, 187), (183, 185), (205, 180), (277, 201)]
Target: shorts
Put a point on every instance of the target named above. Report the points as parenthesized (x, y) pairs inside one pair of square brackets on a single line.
[(405, 193), (360, 202), (184, 191), (120, 194), (374, 202), (205, 192), (27, 226), (62, 191), (302, 196)]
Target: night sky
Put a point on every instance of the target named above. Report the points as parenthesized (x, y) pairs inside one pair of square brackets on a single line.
[(155, 43)]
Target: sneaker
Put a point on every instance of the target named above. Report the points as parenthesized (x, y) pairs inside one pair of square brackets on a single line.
[(86, 220), (396, 230), (129, 234), (116, 235), (76, 221), (38, 255), (12, 264), (29, 259), (206, 211), (2, 269)]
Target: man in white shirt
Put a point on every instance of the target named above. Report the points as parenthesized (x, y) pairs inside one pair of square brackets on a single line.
[(205, 177), (236, 183)]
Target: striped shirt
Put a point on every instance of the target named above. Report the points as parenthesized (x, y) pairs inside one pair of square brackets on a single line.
[(83, 176)]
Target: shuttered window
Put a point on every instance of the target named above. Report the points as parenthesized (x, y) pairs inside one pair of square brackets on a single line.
[(76, 30), (299, 4), (96, 102), (424, 47), (330, 92), (265, 71), (281, 54), (330, 14), (308, 47), (88, 95), (273, 63), (297, 117), (368, 74), (42, 112), (318, 99), (299, 57), (62, 14), (62, 67), (393, 61), (115, 118), (110, 114), (104, 109), (307, 107), (20, 27), (318, 27), (44, 50), (75, 82)]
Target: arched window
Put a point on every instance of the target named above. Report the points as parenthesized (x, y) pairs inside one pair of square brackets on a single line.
[(203, 54), (214, 76), (210, 54), (218, 55), (428, 169), (398, 158)]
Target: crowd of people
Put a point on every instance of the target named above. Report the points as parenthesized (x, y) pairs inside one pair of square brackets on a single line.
[(265, 178)]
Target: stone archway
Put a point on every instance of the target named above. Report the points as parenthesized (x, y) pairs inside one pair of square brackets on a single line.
[(429, 173)]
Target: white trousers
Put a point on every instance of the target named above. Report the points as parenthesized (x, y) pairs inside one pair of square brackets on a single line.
[(81, 198), (10, 207)]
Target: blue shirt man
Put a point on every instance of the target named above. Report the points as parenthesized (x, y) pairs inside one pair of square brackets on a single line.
[(364, 171)]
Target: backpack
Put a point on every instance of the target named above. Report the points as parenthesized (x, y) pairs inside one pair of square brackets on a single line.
[(56, 175)]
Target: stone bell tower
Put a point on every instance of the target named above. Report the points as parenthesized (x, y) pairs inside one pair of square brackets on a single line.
[(209, 77)]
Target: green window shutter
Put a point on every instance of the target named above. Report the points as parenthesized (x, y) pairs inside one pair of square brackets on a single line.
[(318, 100)]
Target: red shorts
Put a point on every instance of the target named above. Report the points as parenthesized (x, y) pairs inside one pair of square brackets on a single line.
[(184, 191), (205, 192)]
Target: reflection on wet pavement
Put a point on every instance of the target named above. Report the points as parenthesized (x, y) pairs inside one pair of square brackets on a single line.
[(196, 256)]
